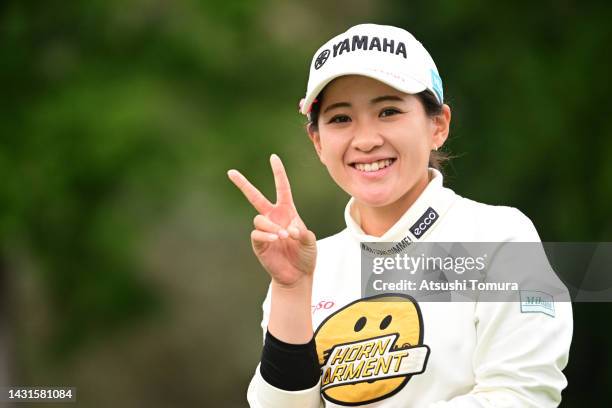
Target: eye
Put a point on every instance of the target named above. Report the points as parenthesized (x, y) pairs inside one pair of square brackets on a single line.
[(385, 322), (389, 112), (339, 119), (360, 323)]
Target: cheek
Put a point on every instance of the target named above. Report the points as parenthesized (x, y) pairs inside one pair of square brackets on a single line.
[(416, 144), (415, 150), (332, 150)]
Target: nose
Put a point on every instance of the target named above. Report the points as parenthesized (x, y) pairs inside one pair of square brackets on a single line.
[(366, 137)]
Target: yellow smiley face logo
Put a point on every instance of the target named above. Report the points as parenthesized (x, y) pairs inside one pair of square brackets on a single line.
[(369, 349)]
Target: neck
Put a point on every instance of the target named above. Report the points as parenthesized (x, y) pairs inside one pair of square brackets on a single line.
[(376, 221)]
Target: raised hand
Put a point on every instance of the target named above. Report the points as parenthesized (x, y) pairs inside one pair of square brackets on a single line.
[(280, 240)]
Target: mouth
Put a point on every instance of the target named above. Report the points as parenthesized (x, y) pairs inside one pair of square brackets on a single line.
[(373, 166)]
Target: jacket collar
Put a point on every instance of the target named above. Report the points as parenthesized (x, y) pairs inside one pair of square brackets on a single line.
[(417, 222)]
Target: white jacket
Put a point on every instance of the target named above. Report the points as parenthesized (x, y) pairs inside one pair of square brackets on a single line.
[(487, 354)]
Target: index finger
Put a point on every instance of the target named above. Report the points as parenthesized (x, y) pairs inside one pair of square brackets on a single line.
[(255, 197), (283, 189)]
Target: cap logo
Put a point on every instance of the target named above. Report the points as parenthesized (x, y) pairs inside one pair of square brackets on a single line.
[(436, 82), (366, 43), (321, 58)]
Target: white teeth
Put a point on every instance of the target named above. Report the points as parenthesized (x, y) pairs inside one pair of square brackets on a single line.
[(381, 164)]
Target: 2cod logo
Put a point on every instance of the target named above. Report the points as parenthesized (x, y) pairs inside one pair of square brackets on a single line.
[(369, 349)]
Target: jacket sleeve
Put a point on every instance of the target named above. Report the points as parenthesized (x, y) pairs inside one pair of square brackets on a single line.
[(261, 394), (519, 357)]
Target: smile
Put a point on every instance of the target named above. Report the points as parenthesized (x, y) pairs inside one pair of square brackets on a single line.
[(373, 166)]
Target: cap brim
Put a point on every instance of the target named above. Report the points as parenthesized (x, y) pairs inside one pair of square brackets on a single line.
[(404, 84)]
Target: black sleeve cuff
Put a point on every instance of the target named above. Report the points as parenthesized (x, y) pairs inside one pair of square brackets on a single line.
[(290, 367)]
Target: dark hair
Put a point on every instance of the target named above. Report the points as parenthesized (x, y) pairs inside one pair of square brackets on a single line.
[(432, 108)]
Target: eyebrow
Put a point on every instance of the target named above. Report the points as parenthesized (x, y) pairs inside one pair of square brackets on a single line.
[(376, 100)]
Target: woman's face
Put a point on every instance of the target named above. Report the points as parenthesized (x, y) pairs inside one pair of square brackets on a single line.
[(374, 140)]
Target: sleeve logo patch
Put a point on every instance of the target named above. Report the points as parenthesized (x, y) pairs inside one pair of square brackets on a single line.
[(533, 301)]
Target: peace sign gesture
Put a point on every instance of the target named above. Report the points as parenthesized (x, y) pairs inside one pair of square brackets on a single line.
[(280, 240)]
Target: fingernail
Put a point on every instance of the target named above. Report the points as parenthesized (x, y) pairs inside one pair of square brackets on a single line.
[(283, 233), (273, 237)]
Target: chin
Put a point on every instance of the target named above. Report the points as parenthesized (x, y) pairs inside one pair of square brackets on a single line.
[(374, 199)]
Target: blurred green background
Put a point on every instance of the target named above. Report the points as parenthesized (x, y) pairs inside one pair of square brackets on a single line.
[(125, 261)]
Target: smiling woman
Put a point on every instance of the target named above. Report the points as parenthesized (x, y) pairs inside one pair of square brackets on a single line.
[(432, 108), (376, 118), (376, 143)]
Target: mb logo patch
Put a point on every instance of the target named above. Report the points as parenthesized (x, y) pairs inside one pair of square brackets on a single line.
[(369, 349), (534, 301)]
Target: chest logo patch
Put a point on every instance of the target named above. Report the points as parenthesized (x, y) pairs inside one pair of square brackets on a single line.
[(369, 349), (424, 223)]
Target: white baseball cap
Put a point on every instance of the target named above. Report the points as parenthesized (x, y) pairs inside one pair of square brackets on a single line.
[(385, 53)]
